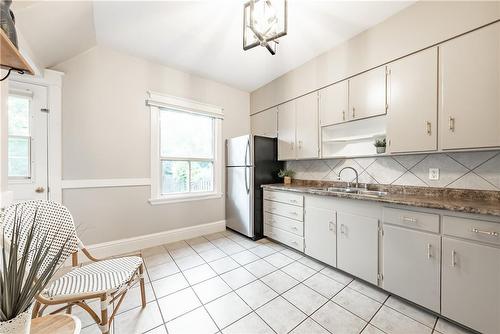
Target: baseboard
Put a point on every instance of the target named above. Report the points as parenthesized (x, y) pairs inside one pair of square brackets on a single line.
[(6, 198), (128, 245)]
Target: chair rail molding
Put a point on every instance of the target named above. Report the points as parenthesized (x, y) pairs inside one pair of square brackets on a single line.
[(105, 183)]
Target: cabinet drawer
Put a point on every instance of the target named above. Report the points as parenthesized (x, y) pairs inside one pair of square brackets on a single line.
[(287, 224), (284, 197), (286, 210), (473, 229), (284, 237), (413, 219)]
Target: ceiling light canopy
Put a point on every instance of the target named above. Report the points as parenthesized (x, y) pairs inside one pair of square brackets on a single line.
[(264, 21)]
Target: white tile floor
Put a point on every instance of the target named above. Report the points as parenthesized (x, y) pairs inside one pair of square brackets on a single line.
[(225, 283)]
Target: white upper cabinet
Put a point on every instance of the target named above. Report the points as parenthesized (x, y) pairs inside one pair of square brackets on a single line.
[(298, 128), (265, 123), (367, 94), (307, 126), (333, 104), (412, 100), (286, 131), (470, 90)]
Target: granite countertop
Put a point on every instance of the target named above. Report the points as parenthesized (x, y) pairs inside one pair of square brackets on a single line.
[(459, 200)]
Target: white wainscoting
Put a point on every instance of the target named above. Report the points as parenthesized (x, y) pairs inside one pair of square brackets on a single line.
[(134, 244), (105, 183)]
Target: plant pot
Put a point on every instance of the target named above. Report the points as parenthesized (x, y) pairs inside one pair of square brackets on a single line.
[(287, 180), (380, 150), (19, 325)]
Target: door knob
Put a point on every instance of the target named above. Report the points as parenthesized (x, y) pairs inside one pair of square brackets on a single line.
[(39, 189)]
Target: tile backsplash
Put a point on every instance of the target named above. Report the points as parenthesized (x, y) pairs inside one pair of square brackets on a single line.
[(462, 170)]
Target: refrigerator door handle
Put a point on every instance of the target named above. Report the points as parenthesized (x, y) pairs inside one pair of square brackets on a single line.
[(246, 181), (247, 151)]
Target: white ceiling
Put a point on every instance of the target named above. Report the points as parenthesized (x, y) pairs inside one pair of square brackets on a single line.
[(200, 37)]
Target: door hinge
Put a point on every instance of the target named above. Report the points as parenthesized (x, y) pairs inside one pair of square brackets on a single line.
[(45, 110), (380, 277)]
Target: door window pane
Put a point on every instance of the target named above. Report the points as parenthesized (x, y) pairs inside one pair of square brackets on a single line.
[(186, 135), (202, 175), (175, 177), (19, 156), (19, 116)]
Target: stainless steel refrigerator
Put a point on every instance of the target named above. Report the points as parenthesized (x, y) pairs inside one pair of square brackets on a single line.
[(251, 161)]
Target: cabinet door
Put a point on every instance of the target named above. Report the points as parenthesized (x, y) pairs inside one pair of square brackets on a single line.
[(307, 126), (412, 99), (321, 235), (367, 94), (411, 265), (333, 106), (286, 131), (470, 90), (471, 285), (265, 123), (357, 246)]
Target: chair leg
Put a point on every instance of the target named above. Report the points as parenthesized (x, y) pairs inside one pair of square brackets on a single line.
[(36, 309), (141, 283), (69, 309), (104, 314)]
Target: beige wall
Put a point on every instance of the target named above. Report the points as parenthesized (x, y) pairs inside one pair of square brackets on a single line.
[(106, 135), (414, 28)]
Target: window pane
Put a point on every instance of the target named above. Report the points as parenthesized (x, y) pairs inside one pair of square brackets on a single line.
[(19, 116), (19, 157), (186, 135), (175, 177), (202, 175)]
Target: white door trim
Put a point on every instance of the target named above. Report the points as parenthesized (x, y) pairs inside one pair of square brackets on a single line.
[(53, 81)]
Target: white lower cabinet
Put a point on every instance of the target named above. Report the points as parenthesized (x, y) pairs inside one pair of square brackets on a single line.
[(411, 265), (357, 245), (320, 234), (471, 284)]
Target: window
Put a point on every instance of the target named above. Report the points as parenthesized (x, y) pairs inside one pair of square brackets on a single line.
[(185, 150), (19, 141)]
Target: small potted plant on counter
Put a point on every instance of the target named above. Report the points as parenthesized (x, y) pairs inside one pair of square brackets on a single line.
[(287, 175), (380, 145)]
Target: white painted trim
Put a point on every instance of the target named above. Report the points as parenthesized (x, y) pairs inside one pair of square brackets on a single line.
[(179, 103), (104, 183), (128, 245), (180, 199)]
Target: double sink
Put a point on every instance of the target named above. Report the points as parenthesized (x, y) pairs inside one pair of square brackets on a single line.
[(354, 191)]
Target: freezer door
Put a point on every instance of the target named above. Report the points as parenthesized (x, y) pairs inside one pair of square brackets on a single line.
[(239, 200), (239, 151)]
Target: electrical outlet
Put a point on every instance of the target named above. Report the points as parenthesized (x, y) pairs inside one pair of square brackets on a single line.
[(434, 174)]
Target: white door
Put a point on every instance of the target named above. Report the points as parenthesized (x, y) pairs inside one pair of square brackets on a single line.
[(412, 264), (357, 245), (412, 86), (320, 232), (333, 104), (286, 131), (307, 131), (471, 285), (27, 142), (265, 123), (470, 90), (367, 94)]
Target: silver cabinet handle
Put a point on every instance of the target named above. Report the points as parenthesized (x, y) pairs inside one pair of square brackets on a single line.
[(429, 254), (409, 219), (453, 258), (295, 228), (293, 213), (490, 233), (294, 242), (342, 231), (451, 123), (293, 201), (343, 115), (331, 226), (353, 112), (429, 126), (300, 144)]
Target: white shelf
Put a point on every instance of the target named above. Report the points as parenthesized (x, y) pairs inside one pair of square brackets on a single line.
[(354, 138)]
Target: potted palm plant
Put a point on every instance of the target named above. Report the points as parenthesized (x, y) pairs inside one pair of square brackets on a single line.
[(287, 175), (26, 267)]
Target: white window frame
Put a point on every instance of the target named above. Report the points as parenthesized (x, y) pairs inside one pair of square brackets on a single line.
[(157, 101)]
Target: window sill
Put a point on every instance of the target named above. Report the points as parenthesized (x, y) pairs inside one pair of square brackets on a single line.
[(180, 199)]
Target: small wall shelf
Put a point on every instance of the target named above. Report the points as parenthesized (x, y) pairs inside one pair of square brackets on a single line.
[(11, 58)]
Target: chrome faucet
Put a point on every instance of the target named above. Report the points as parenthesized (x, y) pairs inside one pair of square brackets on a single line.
[(349, 183)]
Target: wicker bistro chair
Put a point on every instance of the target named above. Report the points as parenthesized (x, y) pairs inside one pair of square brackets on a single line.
[(107, 280)]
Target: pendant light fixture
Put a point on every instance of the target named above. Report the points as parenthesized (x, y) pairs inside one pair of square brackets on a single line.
[(264, 21)]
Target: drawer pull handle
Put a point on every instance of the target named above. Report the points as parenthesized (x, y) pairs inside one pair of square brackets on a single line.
[(453, 258), (429, 254), (294, 242), (409, 219), (293, 201), (490, 233), (294, 228), (293, 213)]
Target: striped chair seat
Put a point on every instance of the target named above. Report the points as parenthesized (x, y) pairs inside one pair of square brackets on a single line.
[(97, 277)]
